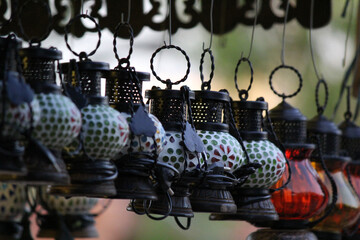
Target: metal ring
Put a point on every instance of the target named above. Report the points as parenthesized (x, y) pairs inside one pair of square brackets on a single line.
[(47, 33), (168, 82), (208, 83), (67, 29), (131, 33), (170, 205), (251, 77), (321, 108), (283, 95)]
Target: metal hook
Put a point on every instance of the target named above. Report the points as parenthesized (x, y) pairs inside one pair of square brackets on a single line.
[(211, 26), (283, 36), (348, 29), (169, 6), (253, 28), (310, 39)]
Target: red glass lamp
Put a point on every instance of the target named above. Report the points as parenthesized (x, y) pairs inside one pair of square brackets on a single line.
[(346, 209), (305, 196)]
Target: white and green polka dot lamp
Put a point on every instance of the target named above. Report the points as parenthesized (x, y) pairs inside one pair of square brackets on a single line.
[(137, 158), (19, 114), (102, 136), (208, 111), (12, 210), (253, 196), (75, 212), (60, 119), (103, 133)]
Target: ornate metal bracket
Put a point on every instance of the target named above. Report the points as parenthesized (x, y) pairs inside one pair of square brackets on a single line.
[(227, 15)]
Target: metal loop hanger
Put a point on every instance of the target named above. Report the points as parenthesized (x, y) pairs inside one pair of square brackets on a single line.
[(168, 82), (321, 80), (206, 85), (244, 93)]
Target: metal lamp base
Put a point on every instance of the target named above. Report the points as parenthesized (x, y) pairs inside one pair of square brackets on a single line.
[(205, 199), (89, 178), (40, 171), (181, 206), (282, 234), (133, 180), (253, 205)]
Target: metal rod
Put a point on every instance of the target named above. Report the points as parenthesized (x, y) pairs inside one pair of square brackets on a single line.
[(283, 36)]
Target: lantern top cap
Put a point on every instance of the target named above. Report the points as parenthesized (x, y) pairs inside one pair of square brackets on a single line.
[(88, 66), (124, 74), (167, 93), (37, 52), (349, 129), (320, 124), (284, 111), (212, 95), (255, 105)]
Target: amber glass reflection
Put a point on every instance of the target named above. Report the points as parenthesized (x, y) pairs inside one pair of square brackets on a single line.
[(305, 196), (347, 208)]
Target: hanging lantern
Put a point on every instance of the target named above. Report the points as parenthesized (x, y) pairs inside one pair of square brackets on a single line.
[(253, 196), (182, 149), (305, 196), (138, 157), (12, 210), (103, 133), (60, 119), (350, 142), (64, 217), (208, 112), (346, 210), (19, 110)]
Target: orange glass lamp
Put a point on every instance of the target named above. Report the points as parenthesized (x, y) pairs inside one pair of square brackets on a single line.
[(305, 196), (350, 145), (346, 210)]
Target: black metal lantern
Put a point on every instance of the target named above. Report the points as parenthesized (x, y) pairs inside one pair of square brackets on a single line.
[(208, 112), (350, 142), (146, 138), (103, 132), (327, 136), (305, 196), (59, 120), (181, 151), (253, 196)]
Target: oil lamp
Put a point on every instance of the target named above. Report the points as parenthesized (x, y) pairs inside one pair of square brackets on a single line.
[(66, 216), (350, 142), (103, 133), (182, 149), (328, 136), (138, 157), (208, 112), (12, 208), (253, 196), (60, 119), (305, 196), (17, 112)]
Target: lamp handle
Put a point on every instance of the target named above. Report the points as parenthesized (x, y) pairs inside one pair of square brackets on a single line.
[(147, 207), (188, 223)]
